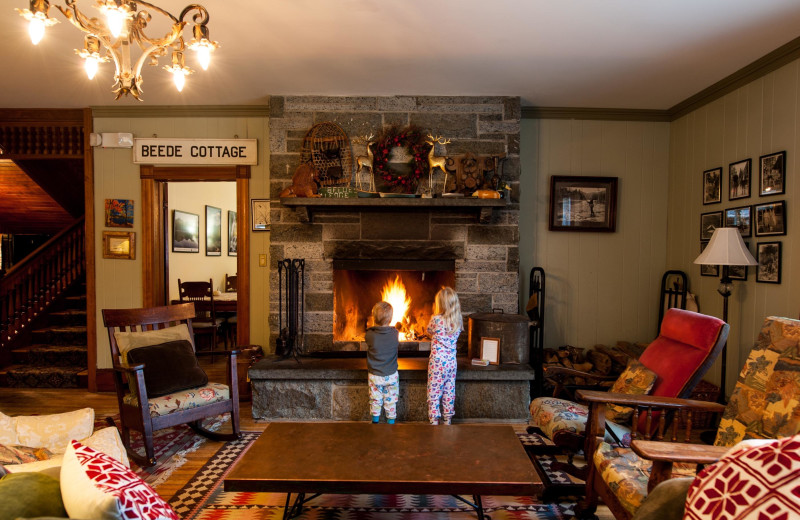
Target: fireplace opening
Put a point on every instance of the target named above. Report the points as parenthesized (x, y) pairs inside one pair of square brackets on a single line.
[(410, 286)]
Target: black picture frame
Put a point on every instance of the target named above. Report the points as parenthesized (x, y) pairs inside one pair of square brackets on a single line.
[(185, 232), (707, 270), (583, 203), (739, 177), (233, 242), (770, 219), (772, 174), (740, 217), (739, 272), (712, 186), (769, 262), (213, 231), (260, 214), (708, 223)]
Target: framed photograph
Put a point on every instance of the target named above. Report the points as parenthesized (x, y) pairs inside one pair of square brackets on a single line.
[(260, 210), (739, 179), (770, 219), (231, 233), (738, 272), (213, 231), (712, 186), (739, 218), (119, 244), (708, 270), (772, 174), (583, 203), (708, 223), (185, 232), (119, 213), (769, 262), (490, 350)]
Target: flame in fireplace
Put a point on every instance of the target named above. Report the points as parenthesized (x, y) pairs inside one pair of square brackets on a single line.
[(395, 293)]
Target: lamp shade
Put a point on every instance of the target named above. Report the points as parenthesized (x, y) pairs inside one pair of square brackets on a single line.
[(726, 248)]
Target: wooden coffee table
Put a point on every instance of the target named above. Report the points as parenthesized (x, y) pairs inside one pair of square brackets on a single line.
[(365, 458)]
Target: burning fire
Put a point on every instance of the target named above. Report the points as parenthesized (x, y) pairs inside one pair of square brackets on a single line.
[(395, 293)]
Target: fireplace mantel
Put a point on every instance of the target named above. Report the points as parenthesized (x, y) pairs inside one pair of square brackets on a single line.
[(305, 206)]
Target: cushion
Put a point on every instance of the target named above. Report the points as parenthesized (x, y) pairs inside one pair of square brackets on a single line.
[(94, 485), (749, 482), (552, 415), (782, 410), (56, 430), (183, 400), (8, 429), (30, 495), (636, 379), (108, 441), (169, 367), (10, 454), (131, 340), (666, 501)]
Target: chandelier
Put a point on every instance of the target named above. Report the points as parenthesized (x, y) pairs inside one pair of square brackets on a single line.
[(123, 25)]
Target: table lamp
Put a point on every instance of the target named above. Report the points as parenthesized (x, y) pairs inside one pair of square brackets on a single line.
[(726, 248)]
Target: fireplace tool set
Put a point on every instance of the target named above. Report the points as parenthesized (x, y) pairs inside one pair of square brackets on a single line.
[(291, 290)]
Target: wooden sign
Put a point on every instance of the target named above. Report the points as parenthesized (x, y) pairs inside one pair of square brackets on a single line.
[(195, 151)]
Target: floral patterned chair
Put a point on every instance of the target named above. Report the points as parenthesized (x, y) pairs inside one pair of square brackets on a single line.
[(158, 380), (764, 405)]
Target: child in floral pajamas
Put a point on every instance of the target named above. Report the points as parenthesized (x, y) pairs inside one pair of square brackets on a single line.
[(444, 328), (384, 380)]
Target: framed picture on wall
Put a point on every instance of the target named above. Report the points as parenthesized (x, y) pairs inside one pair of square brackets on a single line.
[(260, 210), (770, 219), (712, 186), (739, 179), (583, 203), (232, 239), (708, 270), (708, 223), (739, 218), (119, 213), (213, 231), (769, 262), (772, 174), (185, 232), (739, 272), (119, 244)]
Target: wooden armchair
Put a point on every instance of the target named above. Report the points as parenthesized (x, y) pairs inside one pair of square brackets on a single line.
[(160, 339), (765, 404)]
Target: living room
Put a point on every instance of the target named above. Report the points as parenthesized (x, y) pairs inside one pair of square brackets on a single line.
[(602, 287)]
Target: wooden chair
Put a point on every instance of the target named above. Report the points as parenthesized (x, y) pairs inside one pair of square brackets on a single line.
[(207, 322), (231, 319), (763, 405), (146, 414), (231, 283)]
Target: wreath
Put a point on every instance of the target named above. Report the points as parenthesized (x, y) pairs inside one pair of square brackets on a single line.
[(410, 138)]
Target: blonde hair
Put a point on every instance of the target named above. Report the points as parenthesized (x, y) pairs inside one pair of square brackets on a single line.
[(447, 305), (382, 313)]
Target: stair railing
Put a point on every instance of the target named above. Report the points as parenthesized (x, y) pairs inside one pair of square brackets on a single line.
[(32, 285)]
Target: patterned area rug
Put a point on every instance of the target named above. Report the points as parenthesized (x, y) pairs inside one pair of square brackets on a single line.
[(203, 499), (171, 446)]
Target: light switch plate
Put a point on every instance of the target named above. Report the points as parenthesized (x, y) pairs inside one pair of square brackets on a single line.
[(262, 260)]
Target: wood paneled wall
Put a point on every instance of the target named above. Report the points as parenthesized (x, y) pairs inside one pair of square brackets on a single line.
[(601, 287), (756, 119)]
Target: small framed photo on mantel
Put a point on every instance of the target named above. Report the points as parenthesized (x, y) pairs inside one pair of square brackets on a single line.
[(583, 203), (490, 350)]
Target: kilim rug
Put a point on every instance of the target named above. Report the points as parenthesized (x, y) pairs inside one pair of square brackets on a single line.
[(171, 446), (202, 498)]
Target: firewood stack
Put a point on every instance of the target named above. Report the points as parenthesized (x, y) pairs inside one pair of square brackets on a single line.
[(602, 360)]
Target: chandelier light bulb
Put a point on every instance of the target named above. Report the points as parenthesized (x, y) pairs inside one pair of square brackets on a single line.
[(90, 65), (204, 56), (116, 21), (202, 45), (36, 29), (179, 78)]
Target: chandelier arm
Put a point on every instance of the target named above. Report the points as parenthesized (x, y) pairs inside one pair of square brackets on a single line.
[(78, 19)]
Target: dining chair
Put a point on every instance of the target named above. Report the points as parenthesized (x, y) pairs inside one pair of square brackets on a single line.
[(206, 323), (231, 321), (230, 283)]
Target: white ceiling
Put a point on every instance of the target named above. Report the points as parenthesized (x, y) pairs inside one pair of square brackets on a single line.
[(637, 54)]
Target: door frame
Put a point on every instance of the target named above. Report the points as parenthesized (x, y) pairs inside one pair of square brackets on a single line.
[(154, 181)]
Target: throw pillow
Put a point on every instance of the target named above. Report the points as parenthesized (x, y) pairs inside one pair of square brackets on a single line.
[(168, 367), (782, 402), (107, 440), (636, 379), (22, 454), (94, 485), (131, 340), (749, 482), (56, 430), (8, 429), (27, 495)]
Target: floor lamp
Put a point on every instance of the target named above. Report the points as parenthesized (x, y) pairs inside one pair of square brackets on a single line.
[(726, 248)]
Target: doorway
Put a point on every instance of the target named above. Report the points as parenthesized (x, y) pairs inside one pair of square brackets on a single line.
[(156, 220)]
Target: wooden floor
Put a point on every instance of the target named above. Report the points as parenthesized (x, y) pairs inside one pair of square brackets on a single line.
[(23, 401)]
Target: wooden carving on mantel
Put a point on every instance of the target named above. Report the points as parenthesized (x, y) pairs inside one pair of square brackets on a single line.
[(473, 172)]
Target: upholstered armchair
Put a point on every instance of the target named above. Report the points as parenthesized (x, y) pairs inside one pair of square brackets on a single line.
[(764, 405), (694, 339)]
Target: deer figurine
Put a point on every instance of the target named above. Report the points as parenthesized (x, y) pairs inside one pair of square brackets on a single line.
[(364, 161), (435, 161)]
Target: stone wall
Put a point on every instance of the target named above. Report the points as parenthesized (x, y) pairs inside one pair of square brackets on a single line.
[(486, 255)]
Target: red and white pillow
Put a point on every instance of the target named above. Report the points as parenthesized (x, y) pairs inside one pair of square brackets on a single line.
[(94, 485), (755, 480)]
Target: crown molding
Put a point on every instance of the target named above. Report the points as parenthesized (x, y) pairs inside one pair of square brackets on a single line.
[(182, 111), (605, 114), (38, 115)]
